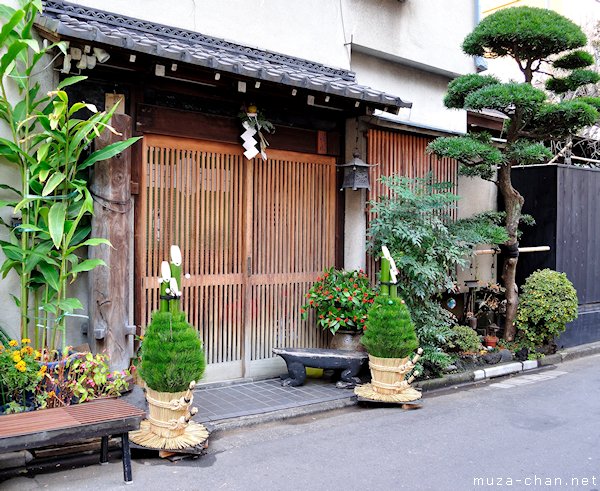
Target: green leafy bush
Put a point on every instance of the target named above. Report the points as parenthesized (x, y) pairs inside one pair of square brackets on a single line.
[(172, 353), (463, 339), (547, 304), (390, 332), (414, 222)]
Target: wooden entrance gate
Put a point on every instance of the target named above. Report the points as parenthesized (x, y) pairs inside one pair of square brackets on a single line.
[(254, 235)]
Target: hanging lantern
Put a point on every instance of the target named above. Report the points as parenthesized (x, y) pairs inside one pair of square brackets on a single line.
[(356, 173)]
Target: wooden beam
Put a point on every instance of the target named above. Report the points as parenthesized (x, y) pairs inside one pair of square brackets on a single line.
[(191, 124)]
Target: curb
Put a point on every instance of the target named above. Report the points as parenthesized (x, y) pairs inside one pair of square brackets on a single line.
[(509, 368)]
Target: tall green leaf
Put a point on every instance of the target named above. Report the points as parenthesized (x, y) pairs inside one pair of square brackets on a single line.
[(56, 222), (108, 151), (53, 182)]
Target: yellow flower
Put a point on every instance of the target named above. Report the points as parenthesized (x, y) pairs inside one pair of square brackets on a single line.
[(43, 369), (16, 357), (25, 341), (37, 355), (12, 343), (26, 350), (21, 366)]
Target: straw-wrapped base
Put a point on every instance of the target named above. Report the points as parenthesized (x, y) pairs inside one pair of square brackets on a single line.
[(193, 435), (169, 412), (388, 382), (168, 425), (367, 391)]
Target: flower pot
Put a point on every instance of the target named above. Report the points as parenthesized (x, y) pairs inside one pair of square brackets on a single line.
[(168, 412), (347, 340), (490, 341)]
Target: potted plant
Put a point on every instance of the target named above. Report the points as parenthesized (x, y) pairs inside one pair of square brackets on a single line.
[(490, 339), (340, 300), (390, 339), (172, 360)]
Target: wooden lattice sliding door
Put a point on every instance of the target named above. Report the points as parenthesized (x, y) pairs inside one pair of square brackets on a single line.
[(405, 155), (254, 236)]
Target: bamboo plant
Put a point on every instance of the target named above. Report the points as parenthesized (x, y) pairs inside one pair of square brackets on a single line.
[(48, 147)]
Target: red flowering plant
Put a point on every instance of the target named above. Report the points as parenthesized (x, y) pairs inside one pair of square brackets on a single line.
[(340, 300)]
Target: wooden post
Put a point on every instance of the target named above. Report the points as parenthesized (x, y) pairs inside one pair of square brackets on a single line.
[(109, 286)]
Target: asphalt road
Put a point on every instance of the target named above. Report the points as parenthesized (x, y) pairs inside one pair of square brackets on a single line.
[(533, 431)]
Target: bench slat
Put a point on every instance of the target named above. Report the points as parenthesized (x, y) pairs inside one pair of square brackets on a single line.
[(89, 413)]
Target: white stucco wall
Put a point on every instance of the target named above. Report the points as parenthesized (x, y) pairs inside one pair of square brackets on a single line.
[(310, 29), (427, 34), (424, 89), (477, 196)]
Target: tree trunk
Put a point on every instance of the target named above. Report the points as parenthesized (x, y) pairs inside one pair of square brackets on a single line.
[(109, 286), (513, 203)]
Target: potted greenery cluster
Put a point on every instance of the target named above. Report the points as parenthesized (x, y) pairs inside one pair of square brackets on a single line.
[(26, 383), (390, 340), (172, 360), (340, 300)]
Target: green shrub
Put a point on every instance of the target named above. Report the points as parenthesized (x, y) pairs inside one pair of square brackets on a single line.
[(547, 303), (172, 353), (390, 332), (464, 339), (427, 244)]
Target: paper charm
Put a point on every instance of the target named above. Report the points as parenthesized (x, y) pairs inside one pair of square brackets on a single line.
[(249, 141)]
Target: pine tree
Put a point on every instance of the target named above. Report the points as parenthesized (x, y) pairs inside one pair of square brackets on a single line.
[(532, 37)]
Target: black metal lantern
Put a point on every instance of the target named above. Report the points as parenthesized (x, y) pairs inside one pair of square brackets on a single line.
[(356, 174)]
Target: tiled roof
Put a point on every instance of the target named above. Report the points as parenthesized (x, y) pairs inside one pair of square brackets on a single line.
[(78, 22)]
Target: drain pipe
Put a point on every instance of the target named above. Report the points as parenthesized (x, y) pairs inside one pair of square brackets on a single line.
[(481, 64)]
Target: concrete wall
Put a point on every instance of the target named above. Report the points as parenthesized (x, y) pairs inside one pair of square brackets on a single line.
[(424, 89), (425, 34), (310, 29), (477, 196)]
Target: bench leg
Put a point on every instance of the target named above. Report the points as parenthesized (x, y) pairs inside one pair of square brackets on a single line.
[(126, 458), (349, 377), (296, 372), (104, 450)]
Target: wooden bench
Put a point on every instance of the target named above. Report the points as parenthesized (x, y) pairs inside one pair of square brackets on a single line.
[(348, 363), (100, 418)]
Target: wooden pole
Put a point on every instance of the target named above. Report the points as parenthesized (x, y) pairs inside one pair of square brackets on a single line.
[(109, 286), (482, 252)]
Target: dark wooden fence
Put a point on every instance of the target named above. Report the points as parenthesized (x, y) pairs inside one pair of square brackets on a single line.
[(565, 202)]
